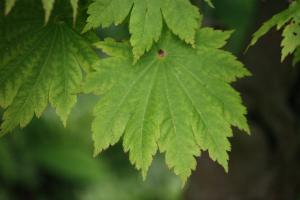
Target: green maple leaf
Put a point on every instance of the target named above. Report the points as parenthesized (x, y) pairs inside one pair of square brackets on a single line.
[(39, 64), (146, 19), (289, 20), (175, 98)]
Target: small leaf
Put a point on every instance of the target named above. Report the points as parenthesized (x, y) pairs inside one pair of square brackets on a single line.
[(289, 20)]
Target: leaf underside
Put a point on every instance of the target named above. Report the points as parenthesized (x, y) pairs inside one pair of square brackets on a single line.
[(146, 19), (175, 99), (38, 64)]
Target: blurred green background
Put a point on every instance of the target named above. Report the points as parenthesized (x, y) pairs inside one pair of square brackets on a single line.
[(47, 161)]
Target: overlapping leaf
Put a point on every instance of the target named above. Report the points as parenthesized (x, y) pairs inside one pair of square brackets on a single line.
[(175, 98), (38, 64), (146, 19), (289, 20)]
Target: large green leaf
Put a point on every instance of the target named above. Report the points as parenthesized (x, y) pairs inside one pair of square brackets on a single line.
[(175, 98), (146, 19), (39, 64)]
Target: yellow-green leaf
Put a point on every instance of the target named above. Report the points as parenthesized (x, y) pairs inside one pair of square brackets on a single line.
[(175, 99)]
